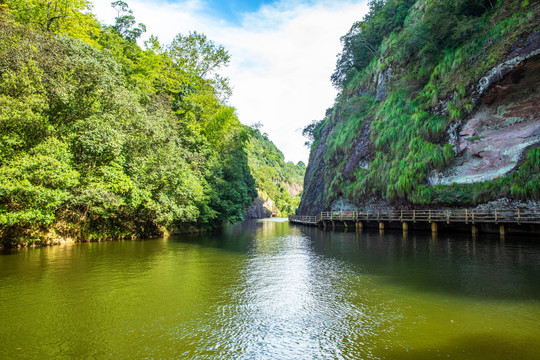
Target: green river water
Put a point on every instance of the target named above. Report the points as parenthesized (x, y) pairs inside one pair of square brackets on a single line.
[(270, 290)]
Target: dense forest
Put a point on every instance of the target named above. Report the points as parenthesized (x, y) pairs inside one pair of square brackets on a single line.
[(438, 105), (102, 138)]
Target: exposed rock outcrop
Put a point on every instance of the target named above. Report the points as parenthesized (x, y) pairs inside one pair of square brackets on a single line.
[(293, 189), (506, 122), (360, 154), (262, 207), (510, 204), (383, 83)]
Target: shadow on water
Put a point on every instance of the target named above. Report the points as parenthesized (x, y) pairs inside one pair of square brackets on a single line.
[(457, 264), (484, 346)]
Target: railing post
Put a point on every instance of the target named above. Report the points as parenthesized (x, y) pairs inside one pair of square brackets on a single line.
[(466, 215), (502, 230), (519, 216)]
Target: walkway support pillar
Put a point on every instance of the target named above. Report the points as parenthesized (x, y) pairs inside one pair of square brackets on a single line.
[(502, 229), (381, 225), (434, 227), (405, 226), (333, 225), (359, 225), (474, 229)]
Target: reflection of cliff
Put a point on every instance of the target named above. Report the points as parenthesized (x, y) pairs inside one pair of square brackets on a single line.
[(447, 119)]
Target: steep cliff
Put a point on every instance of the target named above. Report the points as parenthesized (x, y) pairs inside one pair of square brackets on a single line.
[(438, 106)]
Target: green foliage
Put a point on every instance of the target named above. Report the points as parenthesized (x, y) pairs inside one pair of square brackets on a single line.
[(234, 189), (125, 21), (33, 185), (68, 17), (197, 55), (102, 139), (361, 44), (22, 100), (273, 176)]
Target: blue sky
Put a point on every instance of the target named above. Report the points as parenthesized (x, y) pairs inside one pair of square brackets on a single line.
[(282, 54), (232, 10)]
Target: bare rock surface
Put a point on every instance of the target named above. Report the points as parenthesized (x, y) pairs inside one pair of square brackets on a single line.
[(293, 189), (312, 197), (342, 204), (505, 124), (360, 155), (508, 204), (262, 207)]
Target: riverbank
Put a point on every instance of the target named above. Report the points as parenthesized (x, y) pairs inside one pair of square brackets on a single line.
[(51, 238)]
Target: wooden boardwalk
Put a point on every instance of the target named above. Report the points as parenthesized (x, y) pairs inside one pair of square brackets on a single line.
[(433, 217)]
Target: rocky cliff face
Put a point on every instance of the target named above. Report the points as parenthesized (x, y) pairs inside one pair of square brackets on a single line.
[(491, 141), (263, 207), (489, 116), (314, 185)]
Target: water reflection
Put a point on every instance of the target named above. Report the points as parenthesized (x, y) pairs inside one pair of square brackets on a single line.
[(460, 265), (292, 303), (270, 290)]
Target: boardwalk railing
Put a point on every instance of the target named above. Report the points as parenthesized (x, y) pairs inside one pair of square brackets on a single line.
[(467, 216)]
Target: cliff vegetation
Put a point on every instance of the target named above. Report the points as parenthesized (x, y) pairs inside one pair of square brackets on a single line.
[(438, 106)]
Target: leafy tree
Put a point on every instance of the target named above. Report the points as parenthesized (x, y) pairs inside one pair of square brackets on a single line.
[(125, 21), (69, 17), (33, 186), (361, 43), (197, 55)]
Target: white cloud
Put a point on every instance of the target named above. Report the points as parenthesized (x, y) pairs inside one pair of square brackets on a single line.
[(282, 57)]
